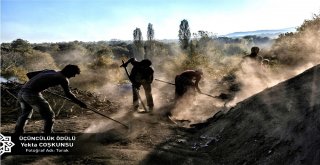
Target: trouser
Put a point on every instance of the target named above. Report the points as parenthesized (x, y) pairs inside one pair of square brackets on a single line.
[(148, 93), (28, 101), (183, 85)]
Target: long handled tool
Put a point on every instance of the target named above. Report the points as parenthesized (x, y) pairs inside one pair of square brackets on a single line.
[(174, 84), (210, 95), (95, 111), (135, 90), (164, 81), (6, 89)]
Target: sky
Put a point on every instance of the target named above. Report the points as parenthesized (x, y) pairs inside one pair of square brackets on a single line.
[(101, 20)]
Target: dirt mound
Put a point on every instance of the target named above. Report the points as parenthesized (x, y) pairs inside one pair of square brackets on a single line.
[(280, 125)]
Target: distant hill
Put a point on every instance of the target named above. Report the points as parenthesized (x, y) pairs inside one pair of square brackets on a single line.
[(262, 33)]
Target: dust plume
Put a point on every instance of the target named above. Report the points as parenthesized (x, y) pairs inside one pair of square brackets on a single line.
[(103, 124), (225, 72), (289, 55)]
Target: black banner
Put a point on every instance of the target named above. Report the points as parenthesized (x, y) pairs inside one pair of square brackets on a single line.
[(48, 144)]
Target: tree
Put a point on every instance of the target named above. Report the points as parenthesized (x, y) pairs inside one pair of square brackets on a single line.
[(150, 33), (299, 48), (149, 44), (313, 24), (184, 34), (20, 45), (137, 35), (103, 57), (202, 38), (138, 49)]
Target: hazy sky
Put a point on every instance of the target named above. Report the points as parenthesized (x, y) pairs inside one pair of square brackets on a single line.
[(96, 20)]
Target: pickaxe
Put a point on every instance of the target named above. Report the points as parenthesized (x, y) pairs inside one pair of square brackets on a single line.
[(135, 89)]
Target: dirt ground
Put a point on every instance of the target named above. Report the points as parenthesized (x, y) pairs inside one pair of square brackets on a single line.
[(114, 143)]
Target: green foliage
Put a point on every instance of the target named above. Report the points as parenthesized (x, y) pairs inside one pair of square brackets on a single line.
[(310, 25), (119, 51), (184, 34), (300, 47), (137, 36), (102, 58), (16, 72), (255, 40), (200, 41), (20, 58), (150, 32), (233, 49), (10, 59), (105, 52), (5, 47), (196, 61), (72, 53), (20, 45), (38, 61), (47, 47), (138, 49)]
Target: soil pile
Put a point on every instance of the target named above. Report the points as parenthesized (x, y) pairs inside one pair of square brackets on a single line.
[(280, 125)]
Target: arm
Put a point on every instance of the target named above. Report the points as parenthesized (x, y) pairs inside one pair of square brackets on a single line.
[(150, 75), (131, 60), (71, 96), (198, 78)]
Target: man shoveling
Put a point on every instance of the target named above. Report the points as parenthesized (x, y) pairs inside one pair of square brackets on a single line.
[(30, 96), (141, 74), (187, 82)]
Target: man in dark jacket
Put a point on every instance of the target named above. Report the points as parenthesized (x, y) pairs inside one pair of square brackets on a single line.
[(257, 58), (141, 74), (254, 53), (187, 81), (30, 96)]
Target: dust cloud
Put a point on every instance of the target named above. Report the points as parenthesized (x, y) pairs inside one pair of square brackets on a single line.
[(287, 57), (295, 55)]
